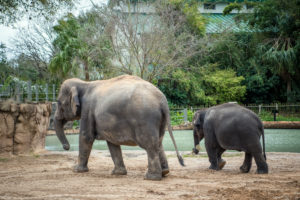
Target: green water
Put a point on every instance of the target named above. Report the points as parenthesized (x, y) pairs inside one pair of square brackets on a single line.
[(277, 140)]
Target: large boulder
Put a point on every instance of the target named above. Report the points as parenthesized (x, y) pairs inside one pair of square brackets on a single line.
[(23, 127)]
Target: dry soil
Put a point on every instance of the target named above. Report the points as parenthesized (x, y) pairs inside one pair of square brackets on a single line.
[(49, 176)]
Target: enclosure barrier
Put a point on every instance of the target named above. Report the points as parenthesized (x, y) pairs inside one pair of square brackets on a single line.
[(23, 127)]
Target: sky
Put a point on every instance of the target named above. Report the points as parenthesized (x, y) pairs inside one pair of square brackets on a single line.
[(8, 33)]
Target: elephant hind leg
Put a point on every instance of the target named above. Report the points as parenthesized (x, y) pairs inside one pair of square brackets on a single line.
[(163, 161), (154, 166), (245, 168), (221, 162), (116, 155), (262, 166)]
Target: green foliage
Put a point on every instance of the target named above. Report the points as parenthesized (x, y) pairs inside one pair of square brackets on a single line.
[(67, 44), (75, 46), (5, 69), (279, 23), (224, 86), (196, 22), (183, 88), (232, 6), (210, 86), (240, 52), (268, 116)]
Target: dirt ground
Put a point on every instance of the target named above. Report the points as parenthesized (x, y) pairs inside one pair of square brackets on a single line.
[(49, 176)]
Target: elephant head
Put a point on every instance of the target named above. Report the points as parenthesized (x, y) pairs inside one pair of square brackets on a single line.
[(198, 121), (68, 108)]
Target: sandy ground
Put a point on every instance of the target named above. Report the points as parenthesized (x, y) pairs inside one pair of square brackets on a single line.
[(49, 176)]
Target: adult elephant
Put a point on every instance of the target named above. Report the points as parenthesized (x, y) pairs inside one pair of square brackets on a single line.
[(233, 127), (125, 110)]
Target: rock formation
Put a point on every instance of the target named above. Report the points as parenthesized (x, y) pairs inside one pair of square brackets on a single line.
[(23, 127)]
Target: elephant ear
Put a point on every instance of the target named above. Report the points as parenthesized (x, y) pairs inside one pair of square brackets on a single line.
[(75, 105), (199, 119)]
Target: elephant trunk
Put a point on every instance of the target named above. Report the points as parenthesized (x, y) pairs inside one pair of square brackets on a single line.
[(197, 140), (59, 129)]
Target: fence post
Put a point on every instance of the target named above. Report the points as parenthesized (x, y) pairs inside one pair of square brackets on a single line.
[(259, 109), (36, 93), (46, 91), (53, 89), (185, 118), (29, 94), (18, 99)]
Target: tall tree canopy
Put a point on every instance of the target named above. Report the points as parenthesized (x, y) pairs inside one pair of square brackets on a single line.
[(13, 10), (80, 43)]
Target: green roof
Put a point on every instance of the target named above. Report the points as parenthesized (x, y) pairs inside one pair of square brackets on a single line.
[(218, 23), (230, 1)]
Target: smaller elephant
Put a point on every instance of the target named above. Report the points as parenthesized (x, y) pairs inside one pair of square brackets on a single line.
[(233, 127)]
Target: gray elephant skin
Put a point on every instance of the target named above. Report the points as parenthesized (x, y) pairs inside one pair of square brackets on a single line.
[(125, 110), (233, 127)]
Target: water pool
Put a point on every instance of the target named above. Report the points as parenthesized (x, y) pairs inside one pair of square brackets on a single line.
[(277, 140)]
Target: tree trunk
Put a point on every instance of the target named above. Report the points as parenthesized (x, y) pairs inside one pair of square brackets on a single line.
[(86, 69)]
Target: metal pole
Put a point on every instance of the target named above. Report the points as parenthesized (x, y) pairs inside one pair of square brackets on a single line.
[(53, 89), (18, 93), (46, 91), (259, 109), (29, 94), (185, 119), (36, 93)]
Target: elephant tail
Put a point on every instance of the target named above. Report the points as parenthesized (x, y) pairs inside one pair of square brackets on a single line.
[(180, 159)]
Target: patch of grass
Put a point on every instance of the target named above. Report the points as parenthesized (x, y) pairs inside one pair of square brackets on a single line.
[(3, 159), (268, 116), (36, 155)]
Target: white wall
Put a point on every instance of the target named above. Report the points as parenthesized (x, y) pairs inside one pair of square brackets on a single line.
[(219, 9)]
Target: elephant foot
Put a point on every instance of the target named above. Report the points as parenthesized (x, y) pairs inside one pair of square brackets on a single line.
[(80, 169), (244, 169), (213, 167), (262, 168), (153, 177), (165, 172), (262, 171), (119, 171), (221, 164)]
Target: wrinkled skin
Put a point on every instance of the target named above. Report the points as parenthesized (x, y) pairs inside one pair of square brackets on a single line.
[(125, 110), (230, 126)]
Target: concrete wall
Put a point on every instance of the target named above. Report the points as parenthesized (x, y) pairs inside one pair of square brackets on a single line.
[(23, 127)]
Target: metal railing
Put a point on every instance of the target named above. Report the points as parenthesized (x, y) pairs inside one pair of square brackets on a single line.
[(28, 92)]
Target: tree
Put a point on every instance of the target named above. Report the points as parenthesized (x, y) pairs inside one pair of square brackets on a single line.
[(224, 86), (277, 25), (80, 42), (279, 22), (35, 44), (149, 45), (13, 10), (5, 68)]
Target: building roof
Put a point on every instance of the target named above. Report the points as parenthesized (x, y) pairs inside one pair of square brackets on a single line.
[(218, 23), (229, 1)]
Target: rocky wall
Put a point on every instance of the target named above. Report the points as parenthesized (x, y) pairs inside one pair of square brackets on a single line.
[(23, 127)]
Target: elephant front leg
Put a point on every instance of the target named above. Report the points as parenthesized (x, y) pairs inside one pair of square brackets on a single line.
[(116, 154), (245, 168), (213, 157), (85, 147)]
